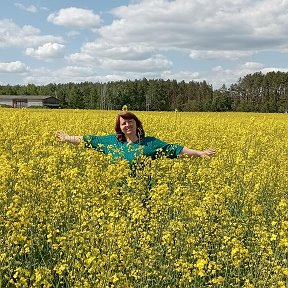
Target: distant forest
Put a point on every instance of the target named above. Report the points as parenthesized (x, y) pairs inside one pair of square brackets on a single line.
[(256, 92)]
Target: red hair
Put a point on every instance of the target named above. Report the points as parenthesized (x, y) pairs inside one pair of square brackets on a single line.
[(127, 116)]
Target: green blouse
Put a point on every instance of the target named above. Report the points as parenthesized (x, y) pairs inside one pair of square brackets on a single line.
[(147, 146)]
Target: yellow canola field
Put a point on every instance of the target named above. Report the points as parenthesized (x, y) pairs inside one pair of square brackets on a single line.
[(71, 218)]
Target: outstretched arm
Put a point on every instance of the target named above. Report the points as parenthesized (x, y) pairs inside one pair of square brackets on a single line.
[(63, 137), (190, 152)]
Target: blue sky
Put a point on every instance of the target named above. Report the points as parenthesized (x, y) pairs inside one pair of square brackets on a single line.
[(219, 41)]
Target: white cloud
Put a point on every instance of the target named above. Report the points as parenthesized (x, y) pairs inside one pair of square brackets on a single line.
[(133, 58), (212, 55), (229, 76), (118, 52), (102, 52), (253, 66), (82, 58), (75, 18), (220, 76), (47, 51), (126, 58), (274, 69), (31, 8), (68, 74), (201, 25), (156, 63), (11, 35), (13, 67), (75, 71), (62, 75), (72, 34), (146, 38), (186, 76)]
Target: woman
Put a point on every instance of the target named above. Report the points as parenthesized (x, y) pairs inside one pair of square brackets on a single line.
[(130, 142)]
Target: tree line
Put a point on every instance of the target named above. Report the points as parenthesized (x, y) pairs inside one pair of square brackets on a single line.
[(256, 92)]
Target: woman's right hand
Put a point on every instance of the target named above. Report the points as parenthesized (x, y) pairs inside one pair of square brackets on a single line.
[(61, 136)]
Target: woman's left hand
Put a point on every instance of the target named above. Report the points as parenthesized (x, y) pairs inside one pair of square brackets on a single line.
[(208, 152)]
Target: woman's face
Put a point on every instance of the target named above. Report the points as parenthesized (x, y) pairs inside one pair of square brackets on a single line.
[(128, 126)]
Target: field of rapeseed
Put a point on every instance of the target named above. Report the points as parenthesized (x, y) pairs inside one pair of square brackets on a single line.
[(71, 218)]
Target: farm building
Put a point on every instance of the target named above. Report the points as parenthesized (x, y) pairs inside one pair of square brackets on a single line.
[(20, 101)]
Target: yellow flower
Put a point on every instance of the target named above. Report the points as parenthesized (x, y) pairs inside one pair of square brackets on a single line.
[(69, 216)]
